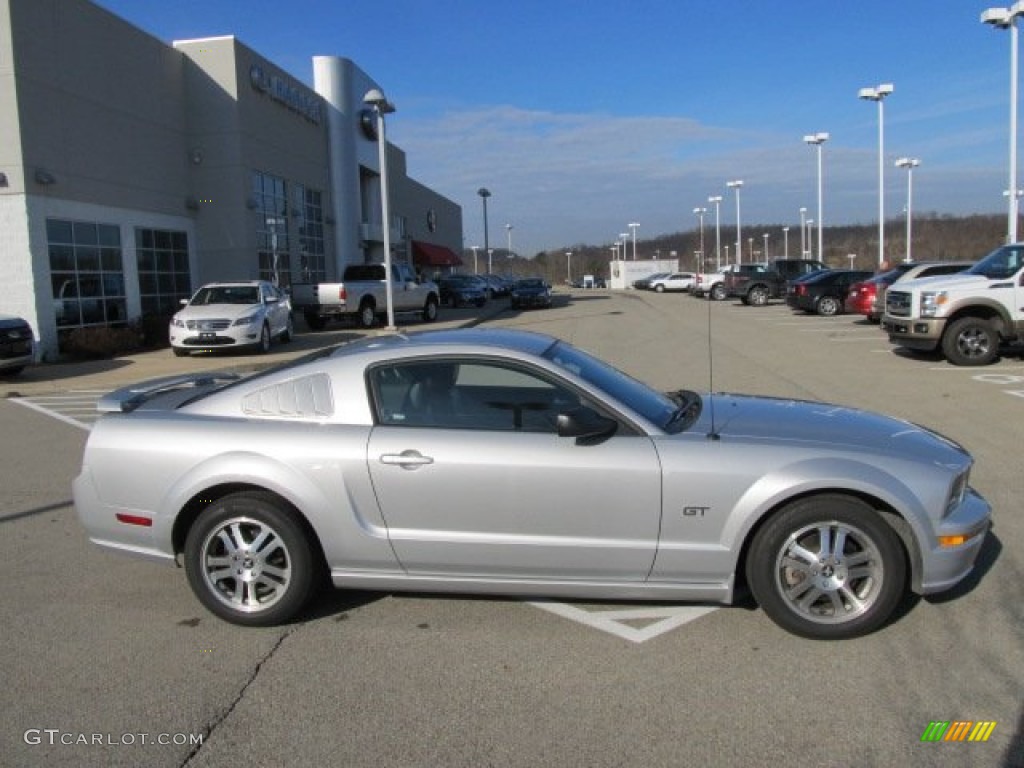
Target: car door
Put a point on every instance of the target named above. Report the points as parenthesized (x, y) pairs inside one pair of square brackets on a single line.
[(477, 484)]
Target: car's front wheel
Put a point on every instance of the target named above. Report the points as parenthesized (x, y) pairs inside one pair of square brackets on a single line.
[(970, 341), (430, 310), (249, 561), (289, 330), (827, 567), (263, 345)]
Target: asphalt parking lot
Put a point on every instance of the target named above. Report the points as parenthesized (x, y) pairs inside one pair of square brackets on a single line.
[(112, 662)]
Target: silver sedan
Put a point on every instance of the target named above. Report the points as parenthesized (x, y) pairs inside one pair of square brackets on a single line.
[(507, 462)]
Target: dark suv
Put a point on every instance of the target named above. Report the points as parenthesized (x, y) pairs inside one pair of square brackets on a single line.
[(757, 283)]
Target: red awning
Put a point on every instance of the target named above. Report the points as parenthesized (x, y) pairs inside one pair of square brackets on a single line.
[(430, 255)]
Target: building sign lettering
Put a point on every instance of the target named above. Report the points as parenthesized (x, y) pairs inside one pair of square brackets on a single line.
[(280, 90)]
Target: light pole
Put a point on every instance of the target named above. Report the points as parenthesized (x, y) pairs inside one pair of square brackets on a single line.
[(910, 163), (508, 229), (568, 267), (785, 242), (852, 257), (739, 240), (484, 193), (803, 233), (375, 98), (878, 94), (1006, 18), (750, 247), (717, 200), (633, 225), (474, 249), (490, 260), (765, 236), (625, 245), (700, 217), (817, 139)]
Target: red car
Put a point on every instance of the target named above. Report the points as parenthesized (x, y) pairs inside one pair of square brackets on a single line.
[(860, 299)]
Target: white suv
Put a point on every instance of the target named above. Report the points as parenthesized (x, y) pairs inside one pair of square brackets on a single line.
[(243, 314)]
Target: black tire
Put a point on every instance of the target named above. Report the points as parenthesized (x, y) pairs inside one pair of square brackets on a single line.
[(259, 587), (263, 345), (757, 296), (659, 288), (828, 306), (179, 352), (289, 331), (367, 314), (430, 309), (827, 596), (314, 321), (717, 292), (970, 341)]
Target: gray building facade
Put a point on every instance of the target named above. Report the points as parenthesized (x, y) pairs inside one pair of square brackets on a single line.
[(133, 171)]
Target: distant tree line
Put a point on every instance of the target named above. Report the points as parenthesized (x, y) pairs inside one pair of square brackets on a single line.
[(936, 236)]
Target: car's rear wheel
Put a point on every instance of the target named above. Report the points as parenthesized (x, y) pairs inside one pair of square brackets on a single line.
[(828, 306), (970, 341), (249, 561), (659, 288), (827, 567), (367, 314), (757, 296)]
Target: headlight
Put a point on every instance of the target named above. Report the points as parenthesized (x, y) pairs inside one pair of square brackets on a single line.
[(177, 322), (957, 491), (931, 301), (247, 320)]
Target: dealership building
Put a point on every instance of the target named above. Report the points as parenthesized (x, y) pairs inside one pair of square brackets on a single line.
[(133, 171)]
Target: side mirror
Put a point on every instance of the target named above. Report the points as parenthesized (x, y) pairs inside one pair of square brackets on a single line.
[(586, 425)]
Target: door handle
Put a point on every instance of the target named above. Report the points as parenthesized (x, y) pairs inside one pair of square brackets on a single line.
[(406, 459)]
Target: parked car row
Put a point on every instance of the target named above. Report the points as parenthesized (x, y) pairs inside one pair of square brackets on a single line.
[(665, 281)]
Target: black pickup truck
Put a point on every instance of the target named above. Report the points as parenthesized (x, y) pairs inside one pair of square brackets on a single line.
[(757, 283)]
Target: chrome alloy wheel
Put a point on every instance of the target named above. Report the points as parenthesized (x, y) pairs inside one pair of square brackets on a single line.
[(246, 564), (829, 573)]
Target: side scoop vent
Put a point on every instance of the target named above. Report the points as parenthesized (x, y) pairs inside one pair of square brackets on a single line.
[(306, 398)]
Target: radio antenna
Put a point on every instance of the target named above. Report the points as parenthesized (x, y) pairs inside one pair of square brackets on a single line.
[(713, 434)]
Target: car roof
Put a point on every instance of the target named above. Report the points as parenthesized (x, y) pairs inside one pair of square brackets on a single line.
[(526, 342)]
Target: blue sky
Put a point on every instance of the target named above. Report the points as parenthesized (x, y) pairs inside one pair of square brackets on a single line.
[(583, 116)]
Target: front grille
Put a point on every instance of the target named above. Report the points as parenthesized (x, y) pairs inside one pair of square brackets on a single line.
[(897, 303), (208, 325)]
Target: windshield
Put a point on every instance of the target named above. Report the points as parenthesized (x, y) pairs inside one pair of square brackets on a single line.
[(1001, 263), (226, 294), (657, 408)]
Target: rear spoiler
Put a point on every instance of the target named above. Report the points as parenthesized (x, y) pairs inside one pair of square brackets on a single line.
[(129, 398)]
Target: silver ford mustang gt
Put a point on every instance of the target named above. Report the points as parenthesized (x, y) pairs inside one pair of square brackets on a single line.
[(506, 462)]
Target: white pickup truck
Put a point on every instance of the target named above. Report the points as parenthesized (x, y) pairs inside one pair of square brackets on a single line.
[(710, 284), (967, 316), (361, 295)]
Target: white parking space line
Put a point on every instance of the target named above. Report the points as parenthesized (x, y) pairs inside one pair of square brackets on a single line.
[(652, 620), (77, 408)]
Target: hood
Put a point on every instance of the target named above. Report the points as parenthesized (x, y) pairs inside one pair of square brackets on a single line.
[(943, 282), (834, 427), (212, 311)]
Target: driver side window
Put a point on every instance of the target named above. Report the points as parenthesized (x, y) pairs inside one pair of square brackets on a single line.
[(468, 394)]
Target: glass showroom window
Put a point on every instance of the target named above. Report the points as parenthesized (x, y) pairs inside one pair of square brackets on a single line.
[(86, 273), (273, 244), (164, 280), (310, 224)]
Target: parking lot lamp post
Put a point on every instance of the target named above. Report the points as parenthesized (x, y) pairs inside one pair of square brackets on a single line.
[(490, 260), (484, 194), (818, 139), (568, 266), (1006, 18), (474, 249), (717, 200), (508, 229), (878, 94), (633, 225), (750, 247), (785, 242), (700, 218), (910, 163), (375, 98), (765, 236), (803, 232), (735, 185)]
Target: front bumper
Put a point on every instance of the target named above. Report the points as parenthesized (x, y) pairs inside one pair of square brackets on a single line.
[(942, 567), (184, 338), (914, 332)]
